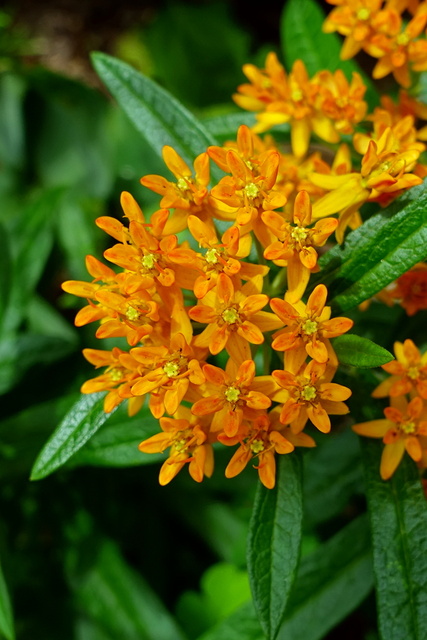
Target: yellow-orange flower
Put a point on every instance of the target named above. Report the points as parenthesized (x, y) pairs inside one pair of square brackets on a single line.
[(310, 397), (187, 437), (295, 245), (408, 373), (352, 19), (410, 289), (309, 328), (232, 398), (404, 428), (234, 319)]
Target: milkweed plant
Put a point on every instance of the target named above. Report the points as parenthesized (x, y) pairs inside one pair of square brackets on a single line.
[(275, 297)]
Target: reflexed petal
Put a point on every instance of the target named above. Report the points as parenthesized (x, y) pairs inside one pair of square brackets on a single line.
[(391, 457), (372, 428), (335, 392), (413, 447), (204, 406), (238, 462), (319, 418)]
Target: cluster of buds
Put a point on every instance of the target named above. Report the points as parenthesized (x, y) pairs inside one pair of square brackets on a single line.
[(404, 427)]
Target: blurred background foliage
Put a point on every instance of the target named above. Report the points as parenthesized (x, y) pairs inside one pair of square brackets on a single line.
[(98, 551)]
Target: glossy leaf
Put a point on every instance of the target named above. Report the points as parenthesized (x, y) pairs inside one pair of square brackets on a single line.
[(303, 38), (274, 543), (360, 352), (398, 513), (156, 114), (6, 618), (80, 423), (374, 255)]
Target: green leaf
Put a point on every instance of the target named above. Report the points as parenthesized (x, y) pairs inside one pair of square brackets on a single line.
[(80, 423), (274, 543), (360, 352), (5, 270), (6, 618), (118, 599), (303, 38), (156, 114), (398, 513), (241, 625), (332, 581), (116, 443), (378, 252)]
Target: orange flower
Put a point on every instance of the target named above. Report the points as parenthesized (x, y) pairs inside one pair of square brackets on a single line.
[(408, 372), (233, 398), (308, 329), (295, 245), (121, 370), (169, 374), (187, 437), (234, 319), (410, 289), (403, 428), (189, 194), (352, 19), (339, 101), (310, 396)]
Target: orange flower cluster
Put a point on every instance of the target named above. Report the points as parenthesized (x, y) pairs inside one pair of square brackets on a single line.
[(404, 427), (180, 304), (378, 28)]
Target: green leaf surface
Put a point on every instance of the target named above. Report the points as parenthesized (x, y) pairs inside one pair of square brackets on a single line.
[(118, 599), (241, 625), (303, 38), (360, 352), (6, 619), (332, 581), (377, 253), (80, 423), (398, 514), (116, 442), (274, 543), (156, 114)]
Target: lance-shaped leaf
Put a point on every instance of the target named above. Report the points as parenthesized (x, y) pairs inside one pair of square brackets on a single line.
[(274, 543), (303, 38), (81, 423), (360, 352), (378, 252), (6, 618), (156, 114), (398, 513)]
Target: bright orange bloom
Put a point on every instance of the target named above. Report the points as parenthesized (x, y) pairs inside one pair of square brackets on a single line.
[(308, 329), (341, 102), (310, 396), (404, 428), (224, 257), (295, 245), (169, 372), (187, 437), (410, 289), (248, 192), (189, 194), (233, 398), (385, 174), (121, 370), (408, 372), (234, 319), (352, 19)]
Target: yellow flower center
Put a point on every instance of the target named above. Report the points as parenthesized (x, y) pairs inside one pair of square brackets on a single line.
[(149, 260), (408, 427), (171, 369), (230, 315), (232, 394), (115, 375), (296, 95), (402, 39), (182, 184), (257, 446), (309, 327), (211, 256), (180, 445), (251, 190), (413, 373), (308, 393), (299, 233), (363, 14), (132, 314)]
